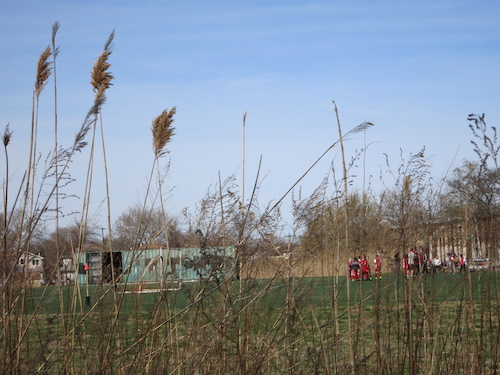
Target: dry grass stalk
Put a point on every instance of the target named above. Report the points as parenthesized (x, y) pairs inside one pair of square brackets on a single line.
[(163, 131), (100, 77), (100, 81), (55, 29), (43, 70), (7, 135)]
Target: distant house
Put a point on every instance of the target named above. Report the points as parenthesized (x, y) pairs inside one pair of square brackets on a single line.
[(31, 265), (154, 263)]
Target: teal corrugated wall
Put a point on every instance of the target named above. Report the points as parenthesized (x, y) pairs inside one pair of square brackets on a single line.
[(150, 265)]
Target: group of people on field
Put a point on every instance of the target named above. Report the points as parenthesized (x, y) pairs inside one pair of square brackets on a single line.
[(359, 268), (415, 262), (452, 263)]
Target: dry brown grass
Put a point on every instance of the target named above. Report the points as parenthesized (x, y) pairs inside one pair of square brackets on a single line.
[(163, 131), (43, 70), (100, 76), (299, 265), (7, 135)]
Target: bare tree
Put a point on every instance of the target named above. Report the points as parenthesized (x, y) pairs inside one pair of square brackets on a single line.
[(63, 243), (474, 190), (136, 226), (403, 202)]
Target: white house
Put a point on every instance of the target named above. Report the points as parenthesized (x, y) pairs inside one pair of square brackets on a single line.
[(32, 264)]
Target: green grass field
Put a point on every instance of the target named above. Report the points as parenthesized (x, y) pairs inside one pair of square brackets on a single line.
[(305, 326), (316, 291)]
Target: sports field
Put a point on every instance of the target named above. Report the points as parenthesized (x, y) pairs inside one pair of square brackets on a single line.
[(315, 291), (393, 325)]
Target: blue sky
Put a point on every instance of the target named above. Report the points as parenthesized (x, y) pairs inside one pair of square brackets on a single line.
[(414, 69)]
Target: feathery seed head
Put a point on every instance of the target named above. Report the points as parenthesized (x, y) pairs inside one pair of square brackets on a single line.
[(101, 78), (43, 70), (163, 131), (7, 135), (55, 29)]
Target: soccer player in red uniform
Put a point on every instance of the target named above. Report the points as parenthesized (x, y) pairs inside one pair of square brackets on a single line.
[(365, 269)]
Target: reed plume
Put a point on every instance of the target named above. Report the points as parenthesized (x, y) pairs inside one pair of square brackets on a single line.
[(163, 131), (7, 135), (55, 29), (100, 81), (43, 70), (100, 77)]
